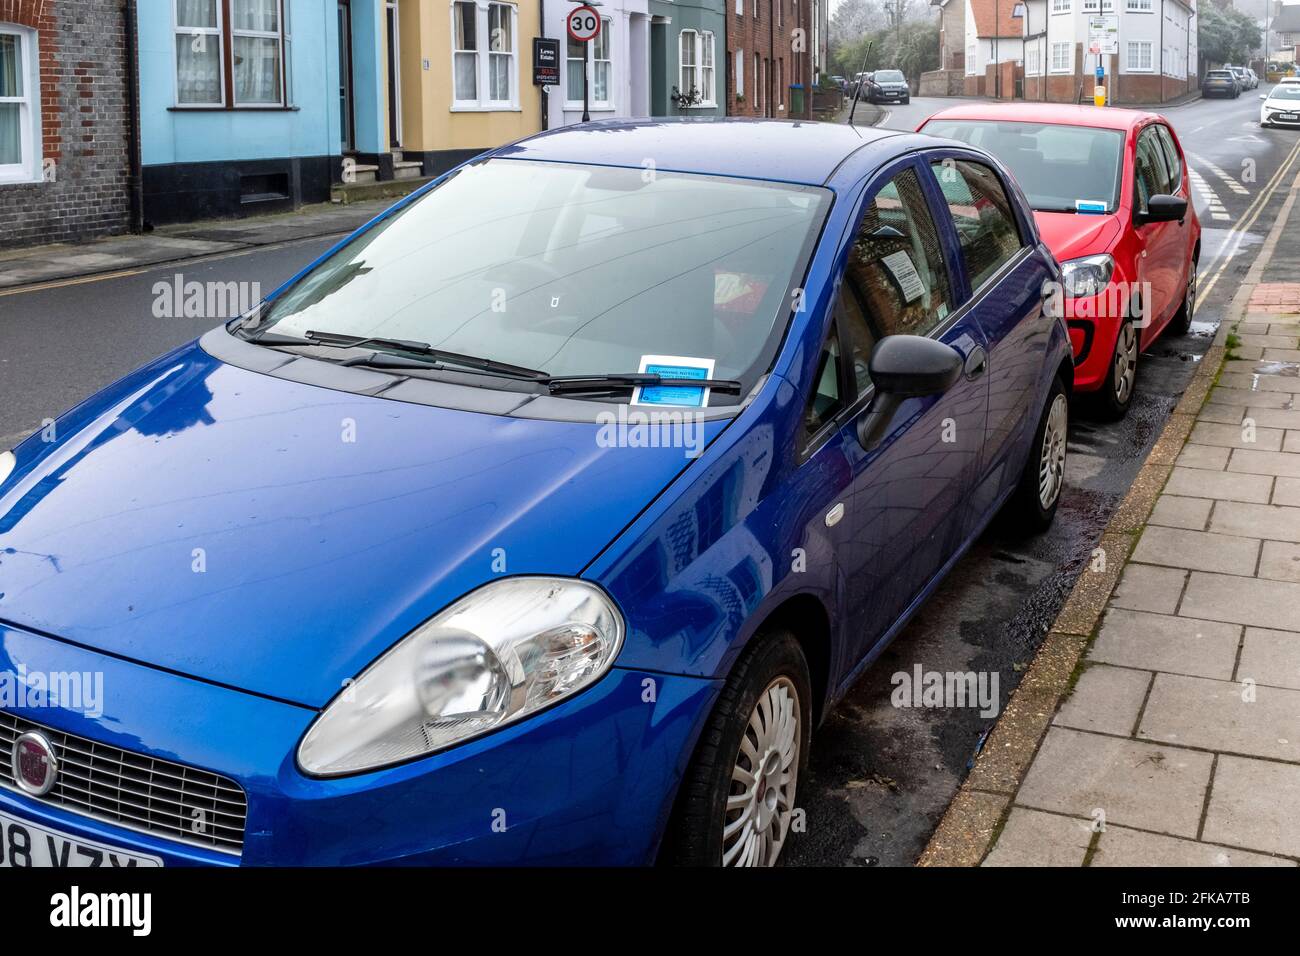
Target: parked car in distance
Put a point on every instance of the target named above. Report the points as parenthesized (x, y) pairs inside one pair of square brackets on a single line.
[(1288, 79), (1254, 78), (1242, 75), (1280, 106), (887, 86), (1110, 192), (455, 608), (1220, 83)]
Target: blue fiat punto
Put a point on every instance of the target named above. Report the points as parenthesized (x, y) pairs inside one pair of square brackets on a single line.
[(542, 520)]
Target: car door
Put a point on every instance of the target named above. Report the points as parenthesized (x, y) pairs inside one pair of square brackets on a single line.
[(904, 500), (1160, 243), (1182, 251), (1004, 275)]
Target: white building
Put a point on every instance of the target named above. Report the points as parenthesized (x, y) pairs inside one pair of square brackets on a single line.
[(1156, 58), (619, 66)]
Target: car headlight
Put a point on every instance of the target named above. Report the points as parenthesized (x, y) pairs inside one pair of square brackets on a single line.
[(7, 464), (1086, 276), (507, 650)]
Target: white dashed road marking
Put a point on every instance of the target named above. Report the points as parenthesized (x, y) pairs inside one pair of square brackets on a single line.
[(1217, 210), (1231, 183)]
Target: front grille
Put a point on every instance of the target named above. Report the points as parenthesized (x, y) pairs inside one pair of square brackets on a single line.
[(135, 791)]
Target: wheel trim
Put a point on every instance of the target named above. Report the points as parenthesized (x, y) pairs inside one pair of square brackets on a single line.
[(764, 774), (1051, 462), (1190, 306), (1126, 356)]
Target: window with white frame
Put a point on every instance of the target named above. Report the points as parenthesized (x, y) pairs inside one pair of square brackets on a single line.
[(1061, 59), (232, 54), (20, 105), (740, 7), (1091, 6), (601, 68), (696, 66), (758, 81), (485, 56), (739, 59), (1139, 56), (972, 54), (1033, 61), (1060, 6), (1140, 6)]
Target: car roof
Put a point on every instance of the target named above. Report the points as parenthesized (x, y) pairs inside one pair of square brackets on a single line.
[(788, 151), (1060, 114)]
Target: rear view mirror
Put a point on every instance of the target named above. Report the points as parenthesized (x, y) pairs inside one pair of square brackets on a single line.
[(903, 367), (1164, 208), (1263, 96)]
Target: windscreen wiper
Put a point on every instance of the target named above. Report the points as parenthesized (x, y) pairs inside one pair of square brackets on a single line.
[(560, 384), (491, 366)]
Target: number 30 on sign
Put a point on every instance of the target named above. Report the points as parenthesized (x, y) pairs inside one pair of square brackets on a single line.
[(583, 24)]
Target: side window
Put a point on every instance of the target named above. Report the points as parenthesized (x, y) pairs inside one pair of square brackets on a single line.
[(982, 214), (1173, 159), (1151, 175), (827, 398), (896, 281)]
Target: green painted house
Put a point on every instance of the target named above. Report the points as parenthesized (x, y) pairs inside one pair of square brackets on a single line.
[(688, 52)]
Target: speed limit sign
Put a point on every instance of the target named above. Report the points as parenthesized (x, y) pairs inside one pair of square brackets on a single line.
[(583, 24)]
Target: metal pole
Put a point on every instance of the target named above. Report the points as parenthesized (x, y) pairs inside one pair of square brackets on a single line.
[(586, 81)]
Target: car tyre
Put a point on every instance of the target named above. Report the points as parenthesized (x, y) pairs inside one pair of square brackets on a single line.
[(1111, 402), (1032, 506), (762, 720), (1182, 321)]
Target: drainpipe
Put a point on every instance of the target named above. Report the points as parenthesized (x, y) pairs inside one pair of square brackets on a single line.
[(546, 97), (135, 180), (771, 56), (1162, 51)]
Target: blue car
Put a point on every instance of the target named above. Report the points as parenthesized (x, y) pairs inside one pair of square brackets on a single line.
[(540, 521)]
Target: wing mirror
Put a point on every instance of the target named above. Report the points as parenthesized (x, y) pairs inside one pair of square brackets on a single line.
[(903, 367), (1263, 96), (1163, 208)]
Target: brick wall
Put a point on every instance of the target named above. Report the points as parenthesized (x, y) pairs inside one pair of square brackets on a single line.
[(85, 120), (768, 35)]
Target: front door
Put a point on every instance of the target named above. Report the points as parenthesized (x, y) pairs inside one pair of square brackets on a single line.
[(394, 78), (1160, 264), (907, 496), (347, 125)]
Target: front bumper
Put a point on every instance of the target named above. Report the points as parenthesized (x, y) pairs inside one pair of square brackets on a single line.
[(1275, 117), (1093, 322), (589, 781)]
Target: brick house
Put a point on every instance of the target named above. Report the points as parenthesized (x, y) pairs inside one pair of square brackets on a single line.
[(993, 38), (766, 55), (67, 120)]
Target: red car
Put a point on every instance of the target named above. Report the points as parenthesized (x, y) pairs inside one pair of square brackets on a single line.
[(1109, 191)]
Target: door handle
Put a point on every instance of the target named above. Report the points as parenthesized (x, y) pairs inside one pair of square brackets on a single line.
[(977, 362), (834, 515)]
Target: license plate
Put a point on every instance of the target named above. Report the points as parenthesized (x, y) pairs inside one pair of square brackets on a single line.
[(23, 843), (1289, 117)]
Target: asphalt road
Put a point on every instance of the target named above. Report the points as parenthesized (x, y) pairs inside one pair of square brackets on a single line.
[(881, 776)]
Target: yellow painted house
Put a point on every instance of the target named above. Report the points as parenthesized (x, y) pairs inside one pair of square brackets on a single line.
[(462, 82)]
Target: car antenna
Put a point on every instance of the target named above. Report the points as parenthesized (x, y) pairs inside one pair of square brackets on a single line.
[(857, 87)]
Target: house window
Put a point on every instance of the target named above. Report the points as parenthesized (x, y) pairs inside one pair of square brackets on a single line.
[(20, 105), (972, 54), (1140, 6), (758, 82), (1060, 6), (1033, 61), (696, 61), (240, 62), (740, 72), (1139, 56), (1061, 60), (740, 7), (601, 67), (485, 60)]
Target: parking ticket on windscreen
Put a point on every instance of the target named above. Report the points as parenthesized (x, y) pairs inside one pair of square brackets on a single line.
[(674, 366)]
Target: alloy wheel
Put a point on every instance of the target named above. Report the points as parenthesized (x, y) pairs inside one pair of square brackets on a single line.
[(1190, 305), (1051, 463), (763, 778), (1126, 359)]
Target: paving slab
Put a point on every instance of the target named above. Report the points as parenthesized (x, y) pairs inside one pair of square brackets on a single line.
[(1271, 417), (1120, 846), (1204, 483), (1197, 550), (1233, 436), (1209, 457), (1280, 561), (1223, 414), (1221, 597), (1264, 462), (1133, 783), (1286, 491), (120, 253), (1175, 511), (1253, 805), (1159, 642), (1270, 341), (1033, 838), (1146, 587), (1249, 398), (1257, 382), (1223, 715), (1105, 700), (1270, 657), (1275, 522)]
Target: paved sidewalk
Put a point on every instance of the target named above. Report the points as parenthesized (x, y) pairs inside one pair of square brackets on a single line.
[(1180, 742), (41, 264)]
